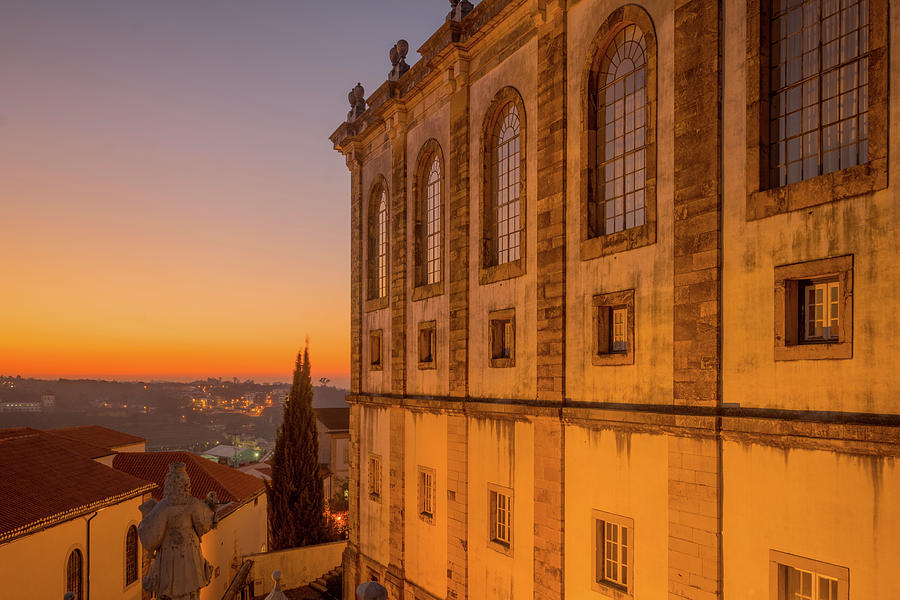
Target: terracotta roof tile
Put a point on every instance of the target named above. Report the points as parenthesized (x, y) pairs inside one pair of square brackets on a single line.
[(98, 436), (230, 485), (44, 483)]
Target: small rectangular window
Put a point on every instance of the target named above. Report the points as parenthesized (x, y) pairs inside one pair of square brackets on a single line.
[(814, 309), (426, 494), (375, 477), (797, 578), (500, 508), (375, 350), (427, 345), (613, 550), (613, 330), (502, 340)]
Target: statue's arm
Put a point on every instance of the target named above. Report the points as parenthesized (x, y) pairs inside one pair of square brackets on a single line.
[(204, 515), (153, 526)]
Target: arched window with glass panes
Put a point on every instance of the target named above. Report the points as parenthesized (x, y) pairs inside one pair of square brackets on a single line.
[(620, 101), (503, 217), (378, 263), (131, 555), (429, 216), (75, 574)]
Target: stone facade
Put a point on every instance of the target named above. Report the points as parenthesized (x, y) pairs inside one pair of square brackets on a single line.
[(726, 451)]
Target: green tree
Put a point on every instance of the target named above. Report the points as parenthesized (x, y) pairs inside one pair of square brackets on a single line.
[(296, 505)]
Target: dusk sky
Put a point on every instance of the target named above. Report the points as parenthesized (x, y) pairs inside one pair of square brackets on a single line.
[(171, 205)]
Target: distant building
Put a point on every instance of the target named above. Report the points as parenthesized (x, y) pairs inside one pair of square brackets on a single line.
[(243, 519), (67, 522), (231, 455), (20, 406), (48, 401), (333, 425)]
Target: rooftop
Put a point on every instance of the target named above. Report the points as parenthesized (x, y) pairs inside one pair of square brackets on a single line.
[(334, 419), (98, 436), (230, 485), (45, 482)]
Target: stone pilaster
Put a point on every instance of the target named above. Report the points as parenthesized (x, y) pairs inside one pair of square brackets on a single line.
[(356, 272), (395, 574), (551, 203), (549, 487), (458, 227), (397, 132), (457, 507), (695, 519)]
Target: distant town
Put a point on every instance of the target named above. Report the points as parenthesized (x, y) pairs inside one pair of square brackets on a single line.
[(194, 416)]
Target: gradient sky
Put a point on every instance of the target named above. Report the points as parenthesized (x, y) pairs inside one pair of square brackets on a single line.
[(171, 205)]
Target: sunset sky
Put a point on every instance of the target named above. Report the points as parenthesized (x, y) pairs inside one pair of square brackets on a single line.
[(171, 205)]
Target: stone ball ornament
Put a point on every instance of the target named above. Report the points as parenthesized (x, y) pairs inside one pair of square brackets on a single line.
[(371, 590)]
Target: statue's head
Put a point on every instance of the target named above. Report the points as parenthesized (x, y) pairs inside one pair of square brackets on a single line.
[(177, 488)]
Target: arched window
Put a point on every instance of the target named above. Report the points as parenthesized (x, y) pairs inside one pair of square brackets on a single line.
[(131, 555), (378, 244), (75, 574), (433, 222), (622, 135), (428, 215), (503, 218), (619, 183)]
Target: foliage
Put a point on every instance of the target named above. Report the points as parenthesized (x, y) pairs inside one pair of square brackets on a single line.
[(296, 505)]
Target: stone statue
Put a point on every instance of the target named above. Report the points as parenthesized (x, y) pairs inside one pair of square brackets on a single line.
[(397, 55), (170, 530), (357, 98), (459, 9)]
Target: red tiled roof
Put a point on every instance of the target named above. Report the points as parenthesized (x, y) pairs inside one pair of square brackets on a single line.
[(43, 483), (334, 419), (230, 485), (98, 436)]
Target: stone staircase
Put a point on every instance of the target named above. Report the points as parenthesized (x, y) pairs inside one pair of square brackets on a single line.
[(328, 583)]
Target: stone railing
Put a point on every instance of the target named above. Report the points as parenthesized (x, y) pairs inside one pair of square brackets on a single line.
[(297, 566)]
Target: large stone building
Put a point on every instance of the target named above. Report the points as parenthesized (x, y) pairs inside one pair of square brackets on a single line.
[(622, 278)]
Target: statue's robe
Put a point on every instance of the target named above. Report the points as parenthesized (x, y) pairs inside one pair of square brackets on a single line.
[(173, 532)]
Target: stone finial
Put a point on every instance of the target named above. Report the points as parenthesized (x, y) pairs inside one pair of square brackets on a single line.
[(276, 593), (357, 98), (397, 55), (371, 590), (69, 596), (459, 9)]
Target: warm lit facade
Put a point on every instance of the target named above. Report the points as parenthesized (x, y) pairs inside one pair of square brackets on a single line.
[(68, 522), (622, 279)]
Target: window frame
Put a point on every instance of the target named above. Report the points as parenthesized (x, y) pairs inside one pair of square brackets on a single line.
[(494, 541), (430, 151), (374, 477), (375, 301), (598, 583), (595, 246), (764, 199), (136, 556), (379, 335), (423, 474), (779, 559), (79, 592), (489, 270), (602, 306), (504, 316), (427, 328), (789, 282)]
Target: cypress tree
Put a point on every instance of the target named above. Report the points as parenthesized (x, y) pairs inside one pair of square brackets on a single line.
[(296, 505)]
